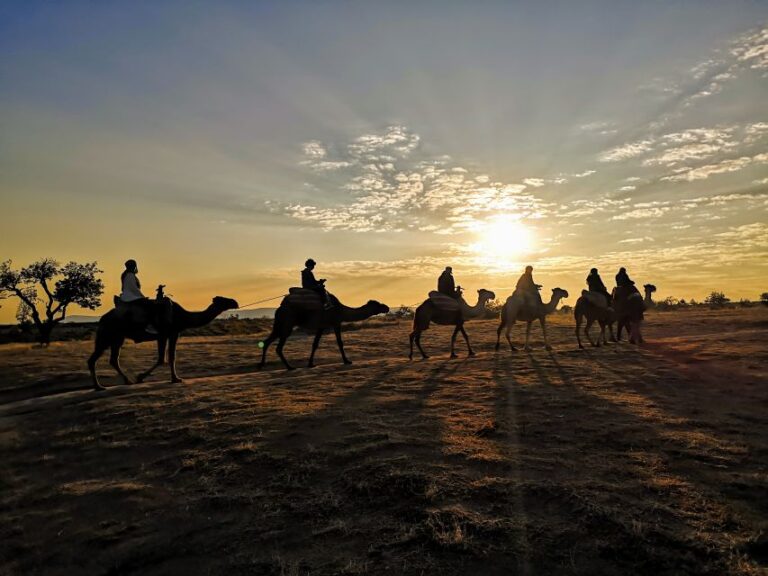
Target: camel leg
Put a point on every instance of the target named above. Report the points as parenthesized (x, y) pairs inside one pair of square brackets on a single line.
[(543, 323), (101, 347), (509, 337), (280, 345), (502, 324), (161, 343), (424, 355), (114, 360), (586, 331), (172, 342), (601, 337), (453, 341), (271, 338), (466, 339), (337, 331), (610, 331), (578, 334), (315, 344), (619, 328), (527, 347)]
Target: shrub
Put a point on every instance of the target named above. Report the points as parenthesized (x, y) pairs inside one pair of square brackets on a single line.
[(716, 299)]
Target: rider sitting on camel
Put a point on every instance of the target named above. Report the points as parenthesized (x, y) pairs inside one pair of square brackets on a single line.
[(622, 278), (527, 288), (595, 284), (131, 293), (309, 281), (446, 284)]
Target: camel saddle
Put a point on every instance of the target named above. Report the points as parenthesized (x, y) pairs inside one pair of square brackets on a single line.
[(444, 302), (595, 298), (527, 299), (144, 311), (307, 299)]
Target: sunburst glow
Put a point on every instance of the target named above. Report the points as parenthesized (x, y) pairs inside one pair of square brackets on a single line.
[(502, 240)]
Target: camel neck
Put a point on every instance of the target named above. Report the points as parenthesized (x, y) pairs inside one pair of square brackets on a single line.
[(197, 319), (354, 314), (551, 306), (476, 310)]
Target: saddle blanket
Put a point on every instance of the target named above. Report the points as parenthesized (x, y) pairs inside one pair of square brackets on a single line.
[(595, 298), (444, 302)]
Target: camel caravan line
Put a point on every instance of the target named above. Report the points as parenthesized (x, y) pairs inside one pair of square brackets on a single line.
[(315, 310)]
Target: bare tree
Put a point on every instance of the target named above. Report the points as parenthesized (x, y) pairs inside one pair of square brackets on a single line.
[(45, 290)]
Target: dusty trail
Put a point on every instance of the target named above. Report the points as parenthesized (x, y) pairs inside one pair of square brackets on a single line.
[(614, 460)]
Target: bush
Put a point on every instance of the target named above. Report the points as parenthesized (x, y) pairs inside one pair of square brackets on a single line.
[(764, 298), (716, 299)]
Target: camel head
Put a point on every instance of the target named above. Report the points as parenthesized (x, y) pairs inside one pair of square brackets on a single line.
[(222, 303), (485, 295), (649, 288), (377, 306), (558, 293)]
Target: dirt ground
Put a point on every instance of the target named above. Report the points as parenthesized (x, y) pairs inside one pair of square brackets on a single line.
[(613, 460)]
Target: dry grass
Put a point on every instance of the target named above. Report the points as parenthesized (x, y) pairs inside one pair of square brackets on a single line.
[(604, 461)]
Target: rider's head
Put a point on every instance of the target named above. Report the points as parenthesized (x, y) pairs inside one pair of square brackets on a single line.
[(528, 269), (593, 271), (131, 266), (622, 270), (448, 269), (310, 263)]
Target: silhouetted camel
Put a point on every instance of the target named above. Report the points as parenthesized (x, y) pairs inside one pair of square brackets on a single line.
[(289, 315), (629, 306), (430, 311), (516, 309), (113, 331), (649, 289), (585, 308)]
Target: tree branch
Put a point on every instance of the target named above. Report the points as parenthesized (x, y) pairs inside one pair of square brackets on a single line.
[(49, 304)]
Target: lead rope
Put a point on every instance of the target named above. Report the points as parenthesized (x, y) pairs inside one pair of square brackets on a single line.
[(262, 301)]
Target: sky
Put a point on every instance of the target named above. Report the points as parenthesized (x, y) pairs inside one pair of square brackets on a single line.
[(220, 144)]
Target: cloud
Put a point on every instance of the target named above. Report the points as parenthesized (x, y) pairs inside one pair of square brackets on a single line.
[(392, 185), (626, 151), (751, 49), (636, 240), (599, 127), (723, 167)]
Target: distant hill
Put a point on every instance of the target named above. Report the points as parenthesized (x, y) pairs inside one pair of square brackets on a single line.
[(255, 313), (80, 319)]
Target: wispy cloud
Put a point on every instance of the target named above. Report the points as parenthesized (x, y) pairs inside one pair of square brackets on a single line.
[(392, 185), (723, 167)]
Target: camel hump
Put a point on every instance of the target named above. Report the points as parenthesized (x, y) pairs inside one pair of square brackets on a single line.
[(595, 298), (303, 298), (444, 302), (307, 299)]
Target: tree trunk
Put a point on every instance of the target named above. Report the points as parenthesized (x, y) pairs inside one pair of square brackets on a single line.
[(45, 329)]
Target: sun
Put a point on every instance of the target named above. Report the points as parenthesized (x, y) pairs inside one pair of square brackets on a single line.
[(502, 240)]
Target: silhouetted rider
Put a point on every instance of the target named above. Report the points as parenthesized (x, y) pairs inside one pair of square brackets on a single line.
[(131, 293), (446, 284), (309, 281), (622, 278), (528, 287), (595, 284)]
